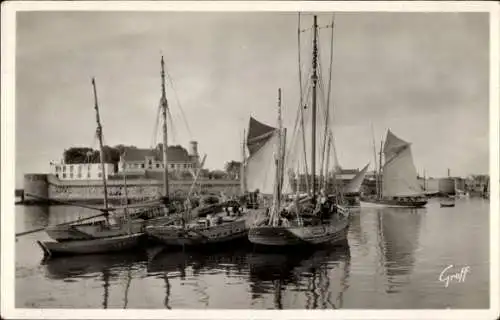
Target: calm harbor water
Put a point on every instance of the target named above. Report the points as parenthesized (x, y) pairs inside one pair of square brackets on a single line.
[(395, 259)]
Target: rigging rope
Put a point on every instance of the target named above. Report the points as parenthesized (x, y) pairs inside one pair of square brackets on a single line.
[(155, 129), (301, 108), (171, 126), (179, 103)]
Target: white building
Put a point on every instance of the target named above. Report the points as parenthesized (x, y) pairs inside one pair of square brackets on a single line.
[(81, 171)]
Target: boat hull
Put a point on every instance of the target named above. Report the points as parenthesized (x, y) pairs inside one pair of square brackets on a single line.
[(447, 205), (217, 234), (392, 204), (281, 236), (94, 246), (63, 233)]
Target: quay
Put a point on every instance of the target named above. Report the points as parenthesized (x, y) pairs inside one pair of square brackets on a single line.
[(48, 189)]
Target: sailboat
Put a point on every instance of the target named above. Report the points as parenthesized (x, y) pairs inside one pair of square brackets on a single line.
[(146, 213), (312, 220), (215, 224), (351, 190), (123, 236), (398, 186)]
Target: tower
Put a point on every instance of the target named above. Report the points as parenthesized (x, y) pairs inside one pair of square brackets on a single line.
[(193, 152)]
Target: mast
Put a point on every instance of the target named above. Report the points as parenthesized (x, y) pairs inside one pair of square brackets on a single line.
[(375, 169), (164, 107), (101, 147), (327, 162), (425, 182), (242, 167), (379, 175), (314, 79), (278, 163)]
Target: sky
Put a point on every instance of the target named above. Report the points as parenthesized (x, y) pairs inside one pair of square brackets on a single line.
[(423, 75)]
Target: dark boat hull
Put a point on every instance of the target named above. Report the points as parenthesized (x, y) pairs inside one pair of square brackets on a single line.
[(80, 247), (281, 236), (177, 236), (387, 203)]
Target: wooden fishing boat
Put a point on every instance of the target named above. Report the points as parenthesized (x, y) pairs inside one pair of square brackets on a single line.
[(218, 228), (93, 246), (140, 215), (399, 187), (314, 220)]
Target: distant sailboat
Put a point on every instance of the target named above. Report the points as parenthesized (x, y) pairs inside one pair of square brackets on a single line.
[(399, 184), (351, 190)]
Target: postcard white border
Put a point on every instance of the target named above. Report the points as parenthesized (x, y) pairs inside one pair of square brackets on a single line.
[(8, 22)]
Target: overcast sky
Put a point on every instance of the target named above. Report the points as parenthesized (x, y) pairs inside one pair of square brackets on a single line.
[(424, 75)]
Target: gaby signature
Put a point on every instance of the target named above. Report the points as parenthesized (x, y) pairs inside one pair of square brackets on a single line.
[(448, 275)]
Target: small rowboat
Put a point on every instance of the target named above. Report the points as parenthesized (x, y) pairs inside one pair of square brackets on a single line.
[(93, 246), (447, 204)]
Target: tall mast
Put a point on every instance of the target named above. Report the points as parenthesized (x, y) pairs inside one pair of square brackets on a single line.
[(164, 107), (314, 79), (379, 175), (375, 169), (242, 167), (101, 147), (280, 153), (425, 182), (278, 163)]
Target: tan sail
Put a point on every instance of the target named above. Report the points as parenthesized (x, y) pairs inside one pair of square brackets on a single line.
[(355, 184), (399, 174)]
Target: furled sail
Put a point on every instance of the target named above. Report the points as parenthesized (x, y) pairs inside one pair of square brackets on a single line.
[(260, 167), (258, 134), (354, 185), (399, 173)]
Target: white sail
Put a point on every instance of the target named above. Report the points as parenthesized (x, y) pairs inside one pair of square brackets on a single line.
[(260, 168), (399, 178), (354, 185)]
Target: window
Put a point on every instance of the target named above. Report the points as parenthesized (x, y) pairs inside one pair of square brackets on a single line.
[(157, 165), (71, 168), (172, 166), (71, 175), (57, 175), (79, 174), (58, 168), (64, 175), (99, 175), (142, 165), (64, 168), (185, 166), (88, 175)]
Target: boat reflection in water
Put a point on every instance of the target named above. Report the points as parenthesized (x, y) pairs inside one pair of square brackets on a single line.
[(315, 279), (113, 268), (398, 238)]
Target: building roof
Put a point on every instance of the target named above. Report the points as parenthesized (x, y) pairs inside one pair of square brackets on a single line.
[(174, 154)]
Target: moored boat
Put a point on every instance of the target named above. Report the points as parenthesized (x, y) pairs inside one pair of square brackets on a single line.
[(92, 246), (314, 220), (132, 218), (447, 202)]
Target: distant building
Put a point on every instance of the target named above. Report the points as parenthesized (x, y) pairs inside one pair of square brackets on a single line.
[(342, 177), (80, 171), (134, 160)]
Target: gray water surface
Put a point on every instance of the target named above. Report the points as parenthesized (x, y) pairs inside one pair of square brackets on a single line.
[(396, 258)]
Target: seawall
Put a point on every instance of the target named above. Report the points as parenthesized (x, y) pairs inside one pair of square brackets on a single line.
[(48, 186)]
